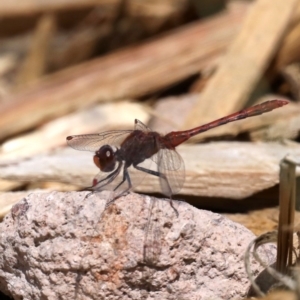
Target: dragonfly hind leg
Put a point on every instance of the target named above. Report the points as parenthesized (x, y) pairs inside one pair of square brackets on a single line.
[(160, 175)]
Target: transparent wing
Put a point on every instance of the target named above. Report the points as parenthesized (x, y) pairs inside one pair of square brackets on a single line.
[(155, 158), (138, 125), (92, 142), (171, 166), (153, 235), (168, 159)]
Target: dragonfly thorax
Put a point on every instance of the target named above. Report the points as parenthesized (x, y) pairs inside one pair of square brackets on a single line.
[(138, 146)]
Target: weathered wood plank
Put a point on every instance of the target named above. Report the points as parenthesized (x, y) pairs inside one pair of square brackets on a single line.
[(224, 169)]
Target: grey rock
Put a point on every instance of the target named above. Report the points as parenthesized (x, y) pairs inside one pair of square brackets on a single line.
[(63, 246)]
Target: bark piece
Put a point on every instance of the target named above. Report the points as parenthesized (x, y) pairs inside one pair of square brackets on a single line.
[(246, 60), (223, 169), (53, 250), (261, 220)]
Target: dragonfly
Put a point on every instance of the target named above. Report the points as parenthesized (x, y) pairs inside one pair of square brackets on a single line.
[(116, 151)]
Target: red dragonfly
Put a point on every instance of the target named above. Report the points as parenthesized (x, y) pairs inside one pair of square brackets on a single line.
[(117, 151)]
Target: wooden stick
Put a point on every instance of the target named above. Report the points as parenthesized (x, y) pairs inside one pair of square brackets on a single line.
[(35, 62), (289, 48), (286, 215)]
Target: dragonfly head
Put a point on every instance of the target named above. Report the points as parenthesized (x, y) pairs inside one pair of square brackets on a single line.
[(105, 158)]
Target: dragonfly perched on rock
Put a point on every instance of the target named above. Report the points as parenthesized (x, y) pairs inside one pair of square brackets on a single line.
[(117, 151)]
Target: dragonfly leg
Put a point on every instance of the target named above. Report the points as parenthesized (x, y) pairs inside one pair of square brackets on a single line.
[(125, 177), (160, 175), (111, 177), (172, 205)]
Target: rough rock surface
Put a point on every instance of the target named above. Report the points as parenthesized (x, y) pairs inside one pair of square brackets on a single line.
[(61, 246)]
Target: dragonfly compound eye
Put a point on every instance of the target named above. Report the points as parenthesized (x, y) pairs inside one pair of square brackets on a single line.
[(105, 159)]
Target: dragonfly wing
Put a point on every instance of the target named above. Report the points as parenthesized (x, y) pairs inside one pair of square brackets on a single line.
[(138, 125), (171, 166), (153, 235), (168, 159), (92, 142), (155, 157)]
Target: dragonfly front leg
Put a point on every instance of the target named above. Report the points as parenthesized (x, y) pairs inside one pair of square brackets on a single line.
[(111, 177), (125, 177)]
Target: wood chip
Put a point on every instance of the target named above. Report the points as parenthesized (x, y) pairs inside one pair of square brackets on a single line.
[(246, 60), (259, 221), (8, 185)]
